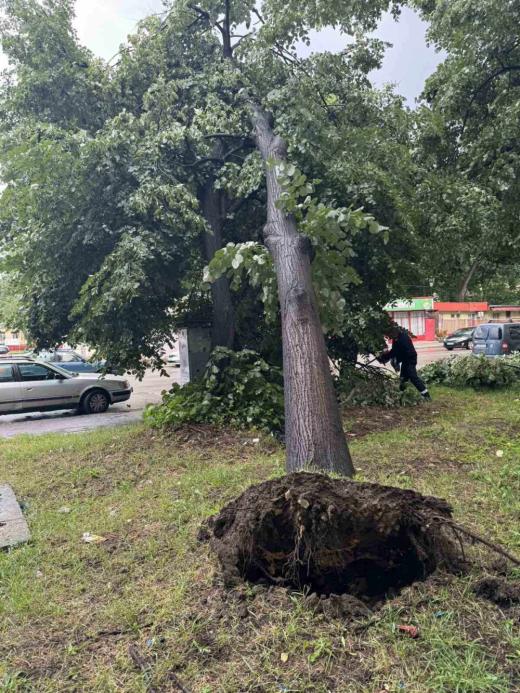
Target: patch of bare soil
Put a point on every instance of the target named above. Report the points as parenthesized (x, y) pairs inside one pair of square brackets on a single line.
[(196, 436), (499, 590), (362, 421), (330, 536)]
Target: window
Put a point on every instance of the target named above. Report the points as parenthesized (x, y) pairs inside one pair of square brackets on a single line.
[(15, 335), (2, 337), (495, 332), (35, 371), (6, 374), (514, 333), (508, 313), (70, 357), (481, 332)]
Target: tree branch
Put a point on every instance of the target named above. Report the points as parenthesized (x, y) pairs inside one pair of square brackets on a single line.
[(226, 34), (255, 11), (485, 83), (205, 15)]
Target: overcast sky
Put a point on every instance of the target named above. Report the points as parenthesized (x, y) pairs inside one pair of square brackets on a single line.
[(103, 25)]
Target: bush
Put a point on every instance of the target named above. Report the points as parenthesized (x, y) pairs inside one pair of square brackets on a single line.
[(474, 371), (369, 386), (237, 389), (438, 371)]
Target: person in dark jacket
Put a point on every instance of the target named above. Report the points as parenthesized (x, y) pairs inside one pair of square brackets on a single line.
[(403, 353)]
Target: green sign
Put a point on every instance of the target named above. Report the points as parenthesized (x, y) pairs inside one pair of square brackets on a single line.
[(410, 304)]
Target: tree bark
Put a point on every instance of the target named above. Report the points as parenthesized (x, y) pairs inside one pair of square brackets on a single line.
[(313, 430), (463, 291), (223, 322)]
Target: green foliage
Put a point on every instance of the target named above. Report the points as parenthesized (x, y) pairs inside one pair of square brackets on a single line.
[(249, 262), (102, 217), (368, 387), (474, 371), (9, 304), (437, 372), (468, 144), (237, 389)]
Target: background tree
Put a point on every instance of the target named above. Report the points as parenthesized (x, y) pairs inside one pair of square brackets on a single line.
[(469, 143)]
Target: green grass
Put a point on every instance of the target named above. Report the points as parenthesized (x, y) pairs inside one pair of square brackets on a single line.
[(69, 611)]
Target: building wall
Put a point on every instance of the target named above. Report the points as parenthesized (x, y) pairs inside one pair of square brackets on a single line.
[(507, 313), (449, 322), (15, 340)]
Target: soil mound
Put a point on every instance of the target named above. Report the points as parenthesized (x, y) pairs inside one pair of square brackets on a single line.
[(331, 536), (498, 590)]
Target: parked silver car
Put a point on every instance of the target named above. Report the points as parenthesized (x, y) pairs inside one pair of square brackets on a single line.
[(29, 385)]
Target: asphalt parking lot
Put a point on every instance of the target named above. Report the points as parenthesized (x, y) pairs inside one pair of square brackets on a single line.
[(147, 391)]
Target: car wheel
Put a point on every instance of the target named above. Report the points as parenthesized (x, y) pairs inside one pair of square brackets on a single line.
[(469, 345), (450, 348), (95, 402)]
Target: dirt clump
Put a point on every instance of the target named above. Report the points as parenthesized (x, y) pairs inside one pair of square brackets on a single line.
[(499, 590), (330, 536)]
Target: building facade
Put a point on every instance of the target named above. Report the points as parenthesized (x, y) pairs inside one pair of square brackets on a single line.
[(455, 315), (427, 319), (416, 315), (13, 339)]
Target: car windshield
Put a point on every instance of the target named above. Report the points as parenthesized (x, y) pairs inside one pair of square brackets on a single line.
[(69, 357), (462, 333), (488, 332)]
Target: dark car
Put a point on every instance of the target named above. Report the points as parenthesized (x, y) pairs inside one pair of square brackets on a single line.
[(461, 339), (4, 349), (70, 360), (496, 338)]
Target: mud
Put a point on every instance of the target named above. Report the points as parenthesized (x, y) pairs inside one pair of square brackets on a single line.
[(330, 536), (498, 590)]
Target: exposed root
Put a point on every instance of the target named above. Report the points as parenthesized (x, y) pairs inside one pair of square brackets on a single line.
[(332, 536)]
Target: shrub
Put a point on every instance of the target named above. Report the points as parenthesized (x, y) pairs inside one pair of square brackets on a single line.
[(474, 371), (237, 389), (438, 371), (369, 386)]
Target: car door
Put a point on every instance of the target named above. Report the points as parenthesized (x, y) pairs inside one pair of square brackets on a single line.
[(42, 387), (494, 341), (10, 389), (514, 337), (479, 339)]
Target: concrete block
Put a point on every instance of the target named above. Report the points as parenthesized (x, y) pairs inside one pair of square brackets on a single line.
[(13, 527)]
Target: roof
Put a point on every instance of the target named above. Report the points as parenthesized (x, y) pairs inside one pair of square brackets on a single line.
[(502, 308), (15, 359), (461, 306)]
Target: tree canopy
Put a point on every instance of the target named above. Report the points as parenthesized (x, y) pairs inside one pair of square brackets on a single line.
[(107, 169), (469, 135)]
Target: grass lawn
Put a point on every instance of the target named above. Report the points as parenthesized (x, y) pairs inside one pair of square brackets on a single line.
[(145, 611)]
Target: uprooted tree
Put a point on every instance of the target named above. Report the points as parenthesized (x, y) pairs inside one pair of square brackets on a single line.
[(123, 182)]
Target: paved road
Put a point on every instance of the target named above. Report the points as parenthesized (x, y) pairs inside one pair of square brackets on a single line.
[(147, 391), (427, 352)]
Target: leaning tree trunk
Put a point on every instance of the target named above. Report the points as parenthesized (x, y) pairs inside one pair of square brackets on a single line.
[(313, 431), (223, 323)]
